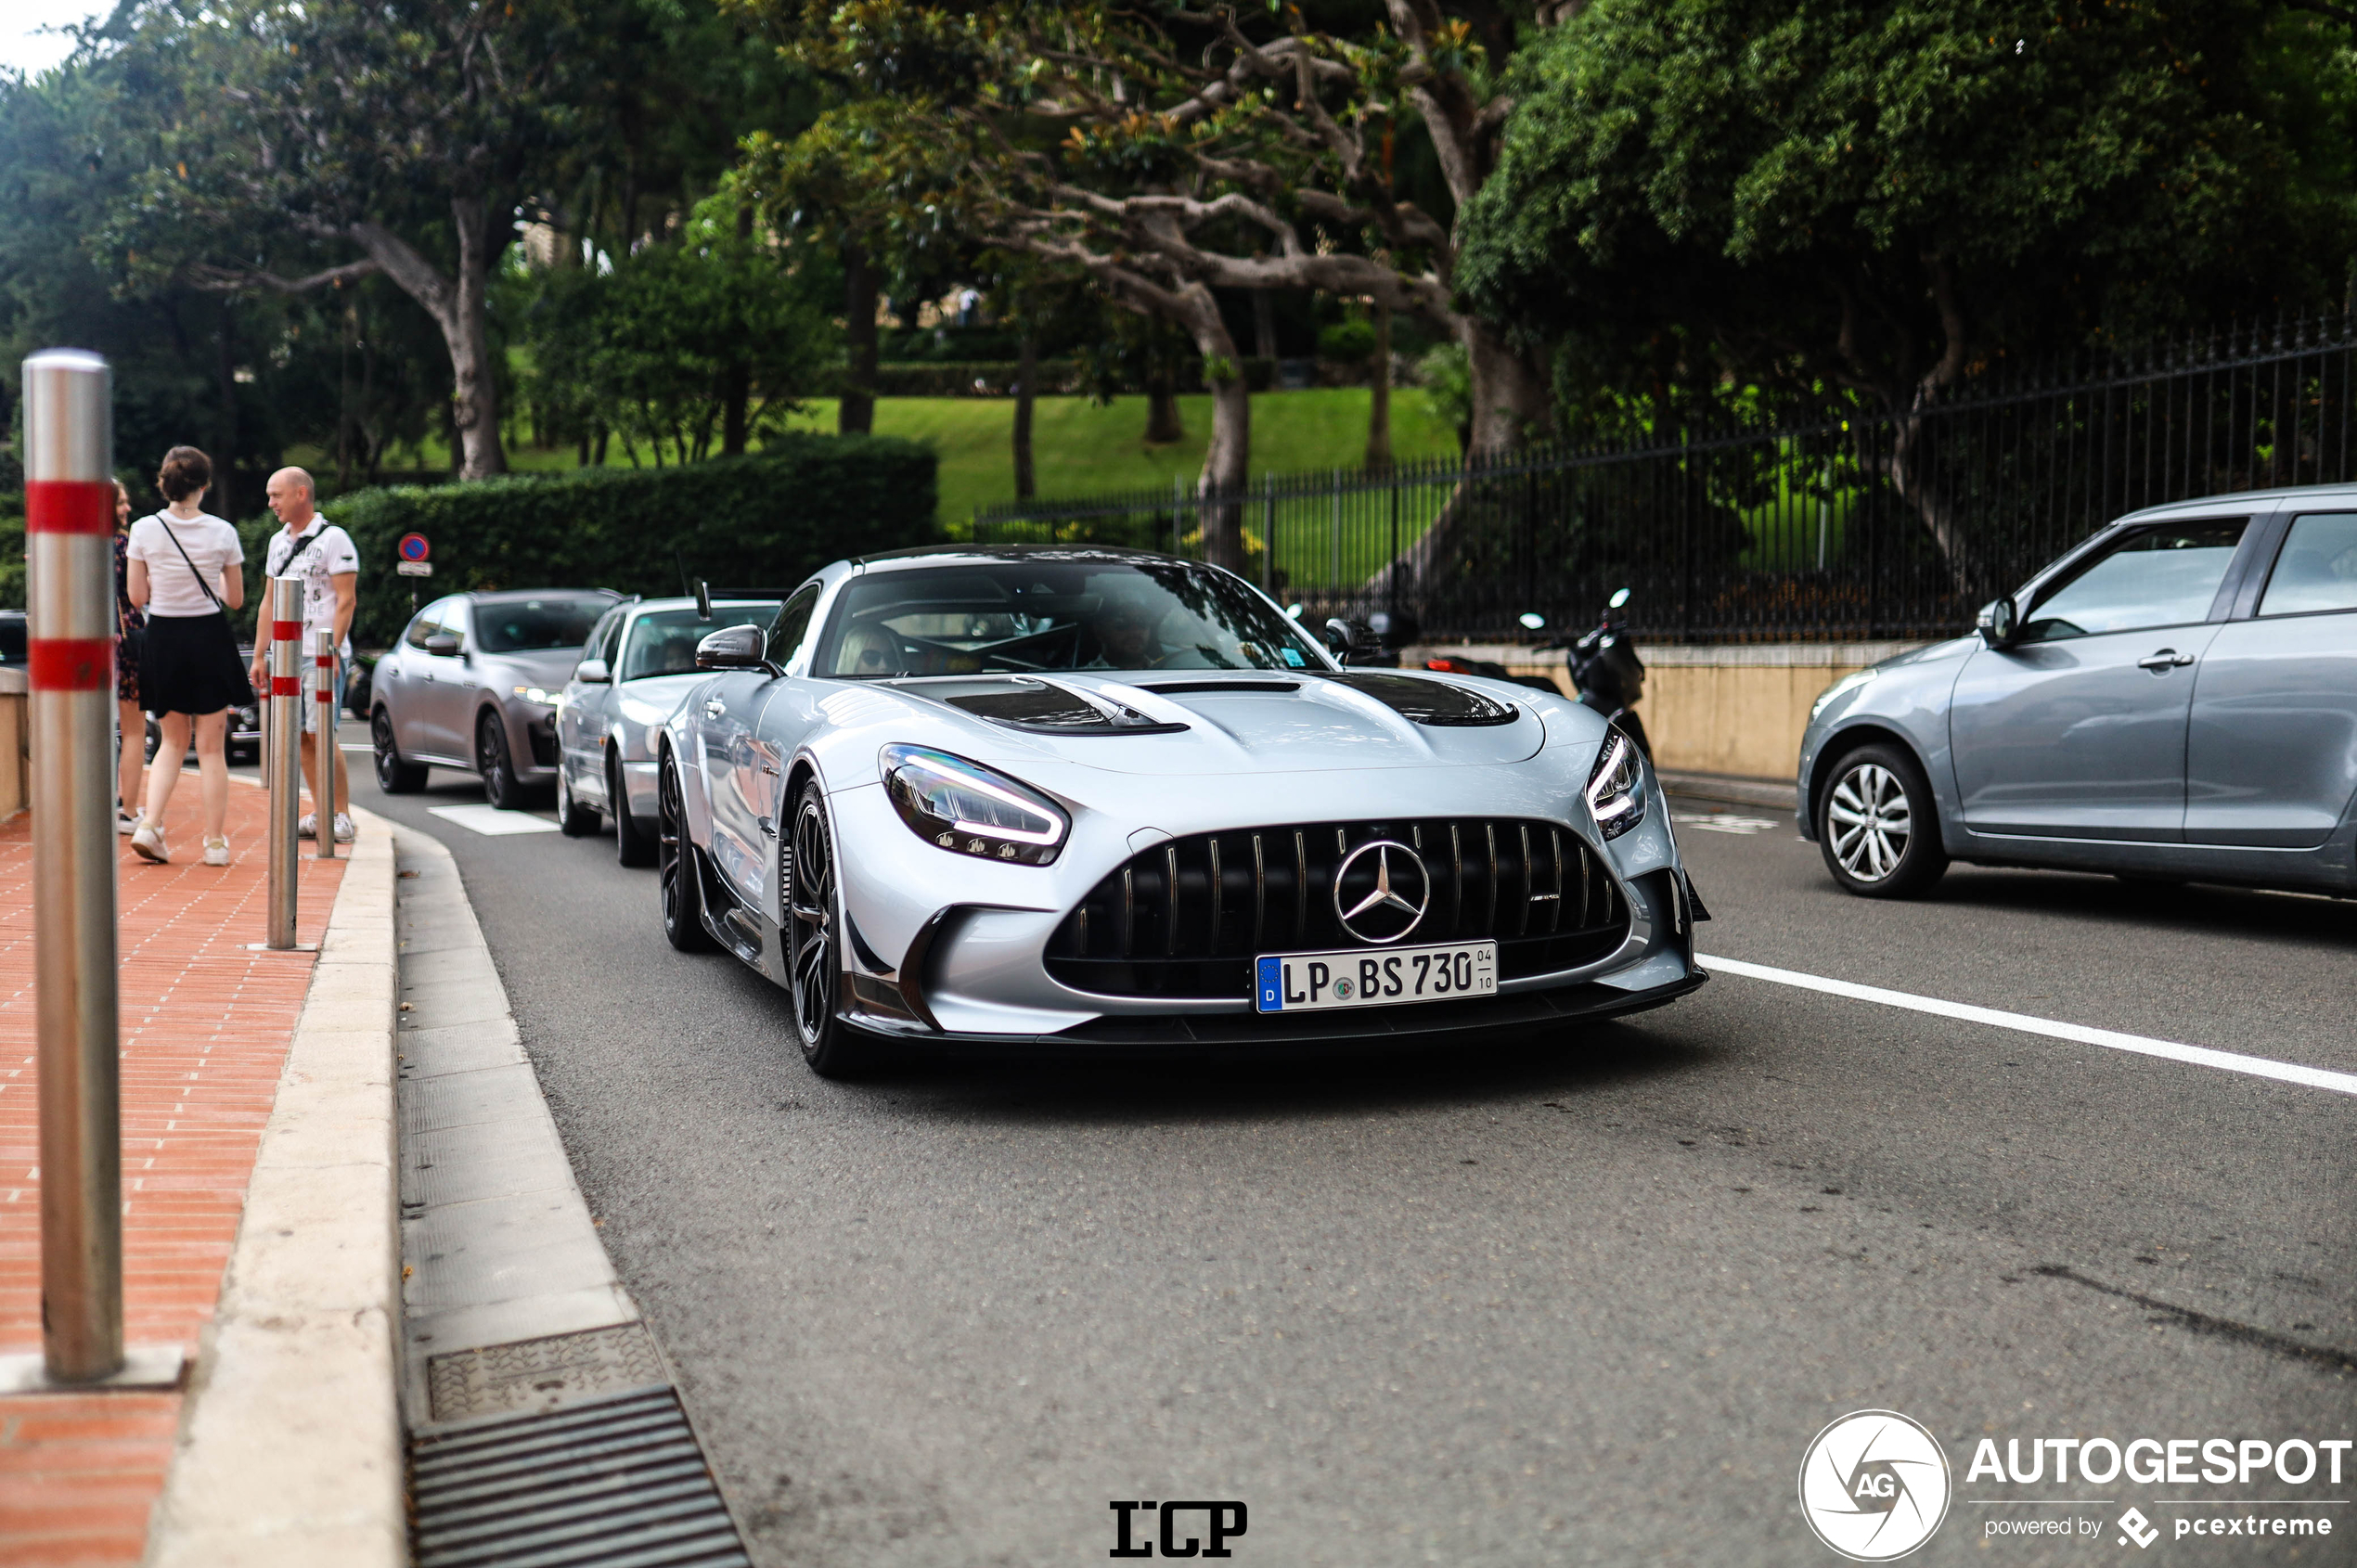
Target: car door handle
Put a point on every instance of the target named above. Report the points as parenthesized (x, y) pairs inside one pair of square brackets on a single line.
[(2167, 659), (714, 708)]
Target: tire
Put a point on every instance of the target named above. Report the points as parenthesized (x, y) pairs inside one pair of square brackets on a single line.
[(498, 771), (814, 968), (633, 845), (675, 869), (394, 776), (573, 820), (1879, 827)]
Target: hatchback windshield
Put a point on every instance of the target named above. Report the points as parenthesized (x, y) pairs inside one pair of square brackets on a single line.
[(1046, 613), (529, 625), (662, 642)]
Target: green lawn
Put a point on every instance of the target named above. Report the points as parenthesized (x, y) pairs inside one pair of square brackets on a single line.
[(1079, 448)]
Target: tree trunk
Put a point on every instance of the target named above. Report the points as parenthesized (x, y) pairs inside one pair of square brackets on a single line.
[(1379, 396), (736, 380), (1264, 325), (1163, 423), (856, 414), (224, 462), (476, 398), (1510, 398), (1226, 464), (1026, 372)]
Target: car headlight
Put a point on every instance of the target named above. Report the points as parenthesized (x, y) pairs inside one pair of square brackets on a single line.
[(534, 695), (968, 809), (1615, 787)]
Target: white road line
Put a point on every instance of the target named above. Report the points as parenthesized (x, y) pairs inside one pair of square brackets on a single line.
[(2110, 1039), (491, 820)]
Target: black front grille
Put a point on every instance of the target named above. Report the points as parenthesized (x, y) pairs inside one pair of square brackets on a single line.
[(1187, 917)]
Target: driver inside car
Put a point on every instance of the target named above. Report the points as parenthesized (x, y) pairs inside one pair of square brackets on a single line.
[(1125, 631)]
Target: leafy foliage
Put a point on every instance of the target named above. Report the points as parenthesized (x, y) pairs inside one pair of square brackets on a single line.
[(759, 521)]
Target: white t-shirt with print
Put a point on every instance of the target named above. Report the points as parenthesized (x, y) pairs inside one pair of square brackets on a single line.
[(329, 552), (213, 548)]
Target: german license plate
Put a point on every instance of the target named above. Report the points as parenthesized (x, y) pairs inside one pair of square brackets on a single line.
[(1311, 982)]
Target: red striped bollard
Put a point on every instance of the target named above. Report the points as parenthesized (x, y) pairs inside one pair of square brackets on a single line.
[(282, 755), (68, 459), (323, 801)]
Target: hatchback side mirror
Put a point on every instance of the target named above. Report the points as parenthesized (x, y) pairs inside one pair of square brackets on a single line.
[(1344, 638), (442, 645), (592, 672), (733, 648), (1997, 624)]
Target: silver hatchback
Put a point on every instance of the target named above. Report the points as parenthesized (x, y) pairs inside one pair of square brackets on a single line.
[(2173, 701)]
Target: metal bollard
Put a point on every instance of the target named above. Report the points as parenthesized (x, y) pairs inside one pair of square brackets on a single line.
[(324, 802), (69, 455), (284, 764)]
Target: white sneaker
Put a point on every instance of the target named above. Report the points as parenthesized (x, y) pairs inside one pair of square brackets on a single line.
[(344, 832), (216, 851), (308, 827), (127, 821), (147, 843)]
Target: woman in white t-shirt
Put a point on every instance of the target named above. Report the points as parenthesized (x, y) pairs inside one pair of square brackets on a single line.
[(187, 573)]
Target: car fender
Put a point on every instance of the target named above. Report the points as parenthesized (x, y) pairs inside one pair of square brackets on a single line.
[(1904, 700)]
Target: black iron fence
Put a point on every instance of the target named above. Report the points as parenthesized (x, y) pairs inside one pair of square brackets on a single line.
[(1858, 524)]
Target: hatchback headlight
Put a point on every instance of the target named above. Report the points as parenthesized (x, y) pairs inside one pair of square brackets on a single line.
[(968, 809), (1616, 788)]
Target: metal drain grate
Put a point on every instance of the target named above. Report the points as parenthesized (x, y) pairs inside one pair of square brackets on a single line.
[(542, 1374), (612, 1480)]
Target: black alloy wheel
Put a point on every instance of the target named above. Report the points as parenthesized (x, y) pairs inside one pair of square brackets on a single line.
[(499, 785), (573, 820), (828, 1047), (633, 845), (394, 776), (1879, 827), (675, 868)]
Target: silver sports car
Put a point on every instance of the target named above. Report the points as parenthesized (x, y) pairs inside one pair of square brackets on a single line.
[(1092, 799)]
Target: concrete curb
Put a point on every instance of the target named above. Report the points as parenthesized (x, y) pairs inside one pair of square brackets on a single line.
[(290, 1449)]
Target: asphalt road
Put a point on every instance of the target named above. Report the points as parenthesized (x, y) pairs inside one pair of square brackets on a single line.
[(1583, 1298)]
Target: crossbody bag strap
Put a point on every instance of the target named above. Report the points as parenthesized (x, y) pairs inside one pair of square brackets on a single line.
[(192, 565)]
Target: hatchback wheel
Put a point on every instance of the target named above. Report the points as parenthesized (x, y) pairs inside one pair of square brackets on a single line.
[(676, 866), (394, 776), (1878, 826), (573, 820), (830, 1048), (499, 786)]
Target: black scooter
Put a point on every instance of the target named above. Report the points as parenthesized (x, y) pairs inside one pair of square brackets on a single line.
[(1610, 677)]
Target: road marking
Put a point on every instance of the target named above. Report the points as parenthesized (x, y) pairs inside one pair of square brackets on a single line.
[(490, 820), (2110, 1039), (1720, 822)]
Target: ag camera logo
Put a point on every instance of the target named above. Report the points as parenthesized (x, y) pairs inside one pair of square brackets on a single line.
[(1874, 1486)]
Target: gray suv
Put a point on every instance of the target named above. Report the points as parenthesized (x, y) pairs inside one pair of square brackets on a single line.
[(472, 685), (2173, 701)]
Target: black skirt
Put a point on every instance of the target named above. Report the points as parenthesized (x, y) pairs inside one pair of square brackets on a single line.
[(190, 665)]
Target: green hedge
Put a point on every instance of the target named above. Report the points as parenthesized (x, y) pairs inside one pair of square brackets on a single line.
[(760, 521)]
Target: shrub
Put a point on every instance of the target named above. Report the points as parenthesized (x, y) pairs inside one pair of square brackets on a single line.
[(760, 521), (1347, 342)]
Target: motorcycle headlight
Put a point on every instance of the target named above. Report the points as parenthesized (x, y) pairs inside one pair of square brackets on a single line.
[(968, 809), (1616, 788)]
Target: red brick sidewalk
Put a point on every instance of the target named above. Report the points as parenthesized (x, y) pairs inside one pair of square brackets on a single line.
[(206, 1026)]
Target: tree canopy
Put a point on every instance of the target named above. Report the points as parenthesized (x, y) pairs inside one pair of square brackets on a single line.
[(1879, 195)]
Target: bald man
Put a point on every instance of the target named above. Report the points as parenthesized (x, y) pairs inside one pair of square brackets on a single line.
[(309, 546)]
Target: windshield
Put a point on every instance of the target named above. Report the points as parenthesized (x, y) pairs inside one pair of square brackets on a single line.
[(530, 625), (662, 642), (1050, 614)]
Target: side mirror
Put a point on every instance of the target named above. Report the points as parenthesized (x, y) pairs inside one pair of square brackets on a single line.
[(1344, 638), (1618, 600), (1997, 624), (442, 645), (592, 672), (1532, 621), (733, 648)]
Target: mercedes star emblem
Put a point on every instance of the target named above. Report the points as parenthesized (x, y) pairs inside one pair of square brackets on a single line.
[(1382, 900)]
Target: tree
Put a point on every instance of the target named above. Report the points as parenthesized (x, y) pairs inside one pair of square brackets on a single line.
[(1170, 153), (1875, 197)]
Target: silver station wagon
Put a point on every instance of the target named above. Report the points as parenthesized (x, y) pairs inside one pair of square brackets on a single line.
[(2173, 701)]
